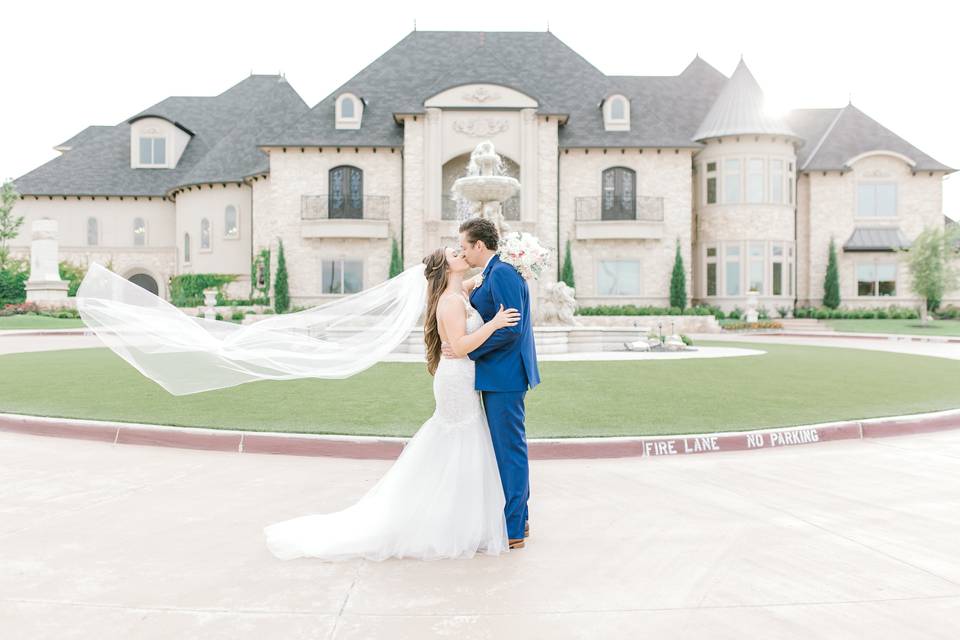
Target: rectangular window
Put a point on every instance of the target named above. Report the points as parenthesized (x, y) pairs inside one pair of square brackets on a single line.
[(755, 180), (731, 181), (618, 278), (756, 267), (711, 271), (776, 274), (866, 280), (776, 181), (732, 269), (790, 182), (790, 279), (887, 279), (153, 150), (876, 199), (711, 183), (342, 276)]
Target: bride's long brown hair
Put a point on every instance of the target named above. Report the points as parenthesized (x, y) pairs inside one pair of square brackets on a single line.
[(436, 274)]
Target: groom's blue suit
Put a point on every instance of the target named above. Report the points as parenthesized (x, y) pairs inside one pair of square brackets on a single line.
[(506, 364)]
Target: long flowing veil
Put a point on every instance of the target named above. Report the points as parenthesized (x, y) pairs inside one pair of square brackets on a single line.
[(186, 354)]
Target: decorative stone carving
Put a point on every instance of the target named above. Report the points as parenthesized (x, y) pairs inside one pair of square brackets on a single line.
[(558, 305), (481, 127), (481, 95)]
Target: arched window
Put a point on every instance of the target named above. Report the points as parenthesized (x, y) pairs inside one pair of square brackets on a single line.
[(348, 111), (619, 200), (616, 109), (204, 234), (231, 229), (346, 193), (186, 248), (139, 232), (93, 232)]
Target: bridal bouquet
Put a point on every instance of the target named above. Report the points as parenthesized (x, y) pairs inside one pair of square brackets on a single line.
[(525, 253)]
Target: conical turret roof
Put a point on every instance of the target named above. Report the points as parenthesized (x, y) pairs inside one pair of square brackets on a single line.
[(739, 109)]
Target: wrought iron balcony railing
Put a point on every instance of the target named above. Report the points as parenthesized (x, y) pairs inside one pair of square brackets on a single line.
[(328, 207), (639, 208)]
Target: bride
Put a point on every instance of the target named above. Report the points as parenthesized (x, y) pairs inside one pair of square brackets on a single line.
[(442, 497)]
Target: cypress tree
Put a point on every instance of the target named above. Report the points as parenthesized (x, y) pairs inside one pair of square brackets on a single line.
[(566, 273), (281, 291), (678, 282), (831, 282), (396, 265)]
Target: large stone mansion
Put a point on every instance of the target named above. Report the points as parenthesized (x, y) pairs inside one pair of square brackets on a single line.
[(622, 167)]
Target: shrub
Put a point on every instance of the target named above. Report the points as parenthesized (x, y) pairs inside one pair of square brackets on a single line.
[(13, 309), (566, 272), (281, 291), (237, 315), (736, 314), (764, 324), (831, 281), (73, 274), (13, 281), (686, 339), (783, 311), (187, 290), (678, 281), (396, 264), (762, 313)]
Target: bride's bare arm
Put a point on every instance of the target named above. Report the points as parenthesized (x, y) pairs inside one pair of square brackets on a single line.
[(452, 315)]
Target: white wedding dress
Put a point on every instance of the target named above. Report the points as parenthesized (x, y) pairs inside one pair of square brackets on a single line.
[(442, 498)]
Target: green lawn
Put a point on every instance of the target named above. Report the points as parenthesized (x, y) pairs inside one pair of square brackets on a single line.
[(789, 385), (33, 321), (933, 328)]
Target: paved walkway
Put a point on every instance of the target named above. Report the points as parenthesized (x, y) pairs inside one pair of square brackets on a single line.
[(842, 540), (893, 344)]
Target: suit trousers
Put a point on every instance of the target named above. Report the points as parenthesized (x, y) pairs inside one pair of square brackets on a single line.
[(505, 415)]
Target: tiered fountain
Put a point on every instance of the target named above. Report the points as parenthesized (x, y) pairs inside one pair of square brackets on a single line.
[(482, 192)]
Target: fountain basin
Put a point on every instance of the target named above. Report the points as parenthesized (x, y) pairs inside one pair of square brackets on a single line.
[(485, 188)]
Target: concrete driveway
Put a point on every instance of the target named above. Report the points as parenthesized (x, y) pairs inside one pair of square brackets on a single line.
[(852, 539)]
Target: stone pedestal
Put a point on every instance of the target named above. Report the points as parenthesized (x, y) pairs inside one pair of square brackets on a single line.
[(210, 301), (751, 314), (45, 284)]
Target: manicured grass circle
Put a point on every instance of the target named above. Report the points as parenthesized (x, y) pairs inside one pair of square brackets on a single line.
[(789, 385)]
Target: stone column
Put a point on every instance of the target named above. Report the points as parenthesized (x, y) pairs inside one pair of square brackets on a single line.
[(45, 284)]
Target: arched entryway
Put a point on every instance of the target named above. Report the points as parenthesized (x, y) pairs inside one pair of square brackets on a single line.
[(146, 281)]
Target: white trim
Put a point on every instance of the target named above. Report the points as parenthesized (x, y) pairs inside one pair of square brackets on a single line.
[(880, 152), (616, 124)]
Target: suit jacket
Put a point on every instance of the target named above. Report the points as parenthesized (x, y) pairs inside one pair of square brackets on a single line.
[(507, 361)]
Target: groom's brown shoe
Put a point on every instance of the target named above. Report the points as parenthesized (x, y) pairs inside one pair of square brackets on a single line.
[(517, 543)]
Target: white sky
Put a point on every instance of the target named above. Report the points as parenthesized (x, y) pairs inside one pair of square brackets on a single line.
[(67, 65)]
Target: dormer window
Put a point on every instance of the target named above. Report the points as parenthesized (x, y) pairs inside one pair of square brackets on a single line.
[(153, 150), (349, 111), (616, 113)]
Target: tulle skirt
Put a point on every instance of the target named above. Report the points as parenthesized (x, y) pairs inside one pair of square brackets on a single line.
[(442, 497)]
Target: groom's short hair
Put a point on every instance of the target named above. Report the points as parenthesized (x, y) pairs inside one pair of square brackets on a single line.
[(480, 229)]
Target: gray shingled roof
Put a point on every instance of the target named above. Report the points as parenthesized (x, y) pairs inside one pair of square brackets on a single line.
[(876, 239), (740, 109), (833, 136), (223, 148), (665, 110)]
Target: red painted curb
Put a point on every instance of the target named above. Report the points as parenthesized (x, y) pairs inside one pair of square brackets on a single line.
[(538, 449)]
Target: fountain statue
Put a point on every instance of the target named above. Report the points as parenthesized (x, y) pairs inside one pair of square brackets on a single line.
[(485, 187)]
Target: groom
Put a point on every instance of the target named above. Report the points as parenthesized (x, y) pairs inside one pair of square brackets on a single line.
[(506, 365)]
